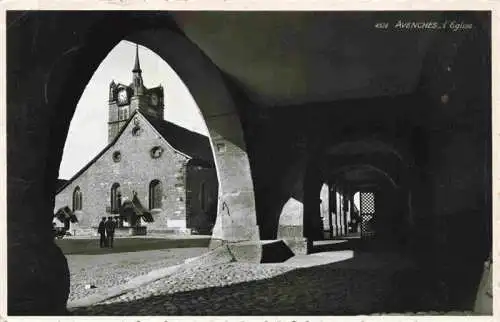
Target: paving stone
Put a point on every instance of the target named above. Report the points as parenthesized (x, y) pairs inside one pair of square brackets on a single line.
[(231, 288), (109, 270)]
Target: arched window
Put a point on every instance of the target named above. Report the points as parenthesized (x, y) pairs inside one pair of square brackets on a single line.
[(155, 194), (77, 199), (116, 198)]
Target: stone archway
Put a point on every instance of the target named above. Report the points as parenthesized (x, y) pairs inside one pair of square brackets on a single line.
[(388, 212), (236, 219), (393, 168), (44, 85)]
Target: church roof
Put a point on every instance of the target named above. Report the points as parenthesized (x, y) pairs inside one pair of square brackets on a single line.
[(61, 183), (195, 145), (192, 144)]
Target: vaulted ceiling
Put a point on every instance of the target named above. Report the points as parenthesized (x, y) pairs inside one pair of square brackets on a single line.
[(287, 58)]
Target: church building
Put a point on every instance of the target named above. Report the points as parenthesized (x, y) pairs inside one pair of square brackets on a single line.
[(165, 169)]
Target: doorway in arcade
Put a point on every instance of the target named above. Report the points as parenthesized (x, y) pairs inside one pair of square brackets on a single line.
[(362, 205)]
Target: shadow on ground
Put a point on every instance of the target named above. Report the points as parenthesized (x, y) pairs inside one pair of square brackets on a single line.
[(121, 245), (351, 287)]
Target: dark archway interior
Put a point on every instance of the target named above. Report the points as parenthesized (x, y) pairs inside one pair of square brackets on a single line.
[(320, 98), (383, 219), (350, 169)]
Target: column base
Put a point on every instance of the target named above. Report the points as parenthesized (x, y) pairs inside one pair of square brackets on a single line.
[(244, 251), (297, 245)]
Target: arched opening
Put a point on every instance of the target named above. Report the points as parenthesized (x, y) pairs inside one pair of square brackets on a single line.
[(154, 132), (368, 204), (358, 192), (233, 183)]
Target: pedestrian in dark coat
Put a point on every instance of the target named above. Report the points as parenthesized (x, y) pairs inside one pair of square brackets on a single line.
[(110, 231), (102, 232)]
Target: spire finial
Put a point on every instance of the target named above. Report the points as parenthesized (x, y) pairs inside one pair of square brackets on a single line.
[(137, 66)]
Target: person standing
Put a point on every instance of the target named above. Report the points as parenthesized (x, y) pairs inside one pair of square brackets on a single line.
[(110, 231), (102, 232)]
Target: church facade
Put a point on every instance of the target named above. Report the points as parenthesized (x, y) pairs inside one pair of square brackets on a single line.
[(169, 169)]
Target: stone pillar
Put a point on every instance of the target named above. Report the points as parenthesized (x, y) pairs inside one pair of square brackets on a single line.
[(312, 220), (236, 223), (456, 81), (345, 210), (291, 226), (484, 299), (337, 209), (324, 208), (38, 276), (332, 202), (351, 208)]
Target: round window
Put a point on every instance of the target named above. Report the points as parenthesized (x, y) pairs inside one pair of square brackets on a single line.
[(156, 152), (136, 131), (117, 156)]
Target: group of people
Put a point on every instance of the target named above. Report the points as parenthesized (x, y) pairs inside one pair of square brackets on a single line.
[(106, 231)]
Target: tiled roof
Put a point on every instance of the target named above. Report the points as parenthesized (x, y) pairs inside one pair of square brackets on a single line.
[(61, 183), (195, 145)]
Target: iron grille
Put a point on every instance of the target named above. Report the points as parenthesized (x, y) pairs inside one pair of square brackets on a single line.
[(367, 205)]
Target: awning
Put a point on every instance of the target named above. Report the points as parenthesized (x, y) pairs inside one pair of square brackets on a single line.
[(129, 209), (64, 214)]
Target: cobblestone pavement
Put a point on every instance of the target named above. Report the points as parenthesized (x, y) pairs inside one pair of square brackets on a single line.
[(104, 271), (364, 284)]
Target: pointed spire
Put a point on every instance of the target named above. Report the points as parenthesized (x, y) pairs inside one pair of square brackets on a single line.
[(137, 66), (137, 83)]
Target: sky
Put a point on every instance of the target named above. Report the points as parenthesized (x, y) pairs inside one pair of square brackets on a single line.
[(88, 132)]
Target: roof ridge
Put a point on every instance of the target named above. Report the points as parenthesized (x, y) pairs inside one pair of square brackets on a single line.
[(94, 159)]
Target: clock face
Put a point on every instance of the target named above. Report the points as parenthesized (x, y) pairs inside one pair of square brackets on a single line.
[(122, 96), (154, 99)]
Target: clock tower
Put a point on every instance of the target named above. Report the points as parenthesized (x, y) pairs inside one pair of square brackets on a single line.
[(124, 100)]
